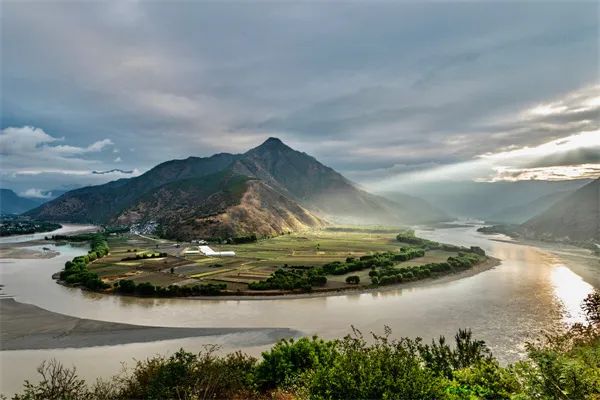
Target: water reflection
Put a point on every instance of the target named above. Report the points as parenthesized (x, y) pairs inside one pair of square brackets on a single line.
[(532, 290), (570, 290)]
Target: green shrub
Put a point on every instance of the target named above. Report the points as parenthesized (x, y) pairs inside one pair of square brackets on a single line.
[(186, 375), (387, 369), (565, 366), (288, 359)]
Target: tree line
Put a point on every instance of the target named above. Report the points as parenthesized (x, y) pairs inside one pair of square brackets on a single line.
[(76, 271), (127, 286), (297, 278), (382, 265), (388, 274)]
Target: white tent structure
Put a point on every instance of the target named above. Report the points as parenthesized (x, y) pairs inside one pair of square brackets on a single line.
[(207, 251)]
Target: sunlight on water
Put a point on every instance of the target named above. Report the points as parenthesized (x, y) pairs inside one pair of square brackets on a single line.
[(570, 290)]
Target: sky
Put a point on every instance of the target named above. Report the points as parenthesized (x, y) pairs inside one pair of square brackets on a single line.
[(384, 92)]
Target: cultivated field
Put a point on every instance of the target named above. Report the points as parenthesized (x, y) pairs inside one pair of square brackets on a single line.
[(253, 261)]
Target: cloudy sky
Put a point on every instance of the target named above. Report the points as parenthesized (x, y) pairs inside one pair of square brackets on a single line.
[(386, 93)]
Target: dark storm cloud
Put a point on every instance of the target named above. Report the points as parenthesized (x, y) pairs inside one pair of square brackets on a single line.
[(370, 89)]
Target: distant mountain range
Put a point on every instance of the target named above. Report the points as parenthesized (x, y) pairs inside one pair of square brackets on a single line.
[(523, 212), (575, 217), (12, 203), (505, 202), (268, 190)]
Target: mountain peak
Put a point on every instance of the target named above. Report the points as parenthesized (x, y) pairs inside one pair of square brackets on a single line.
[(270, 145), (273, 140)]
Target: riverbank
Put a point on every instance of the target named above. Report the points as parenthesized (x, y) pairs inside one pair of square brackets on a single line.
[(21, 253), (27, 327)]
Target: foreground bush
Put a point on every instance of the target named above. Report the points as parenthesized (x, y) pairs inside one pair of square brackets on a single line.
[(563, 366), (190, 376)]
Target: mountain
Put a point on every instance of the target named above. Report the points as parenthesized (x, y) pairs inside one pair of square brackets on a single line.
[(266, 191), (325, 191), (483, 200), (523, 212), (575, 217), (421, 211), (12, 203)]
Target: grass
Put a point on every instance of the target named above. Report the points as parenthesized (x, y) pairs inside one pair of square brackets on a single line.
[(253, 261)]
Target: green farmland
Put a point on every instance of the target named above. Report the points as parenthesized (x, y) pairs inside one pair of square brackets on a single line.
[(163, 263)]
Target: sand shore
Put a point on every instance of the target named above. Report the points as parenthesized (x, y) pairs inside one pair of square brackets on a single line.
[(27, 327)]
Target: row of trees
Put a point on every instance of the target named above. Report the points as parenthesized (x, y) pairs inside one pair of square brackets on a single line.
[(76, 271), (382, 265), (292, 279), (127, 286), (81, 237), (565, 366), (144, 256), (304, 278), (408, 236), (390, 275), (243, 239), (377, 260)]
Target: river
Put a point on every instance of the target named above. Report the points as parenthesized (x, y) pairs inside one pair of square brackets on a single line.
[(532, 290)]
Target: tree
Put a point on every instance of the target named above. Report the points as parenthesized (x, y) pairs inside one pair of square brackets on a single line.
[(56, 383), (591, 307), (353, 279)]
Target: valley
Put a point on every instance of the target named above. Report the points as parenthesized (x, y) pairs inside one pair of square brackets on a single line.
[(299, 200)]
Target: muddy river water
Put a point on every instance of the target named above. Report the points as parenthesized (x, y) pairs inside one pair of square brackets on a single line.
[(534, 289)]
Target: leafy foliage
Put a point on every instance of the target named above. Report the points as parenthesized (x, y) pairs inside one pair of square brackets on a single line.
[(76, 271), (382, 265), (127, 286), (377, 260), (391, 274), (292, 279), (408, 236), (566, 366), (289, 359), (56, 382), (145, 256), (190, 376)]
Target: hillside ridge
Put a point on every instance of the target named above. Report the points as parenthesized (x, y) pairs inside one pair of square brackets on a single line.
[(294, 190)]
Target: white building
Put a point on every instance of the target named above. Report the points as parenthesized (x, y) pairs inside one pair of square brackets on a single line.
[(207, 251)]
